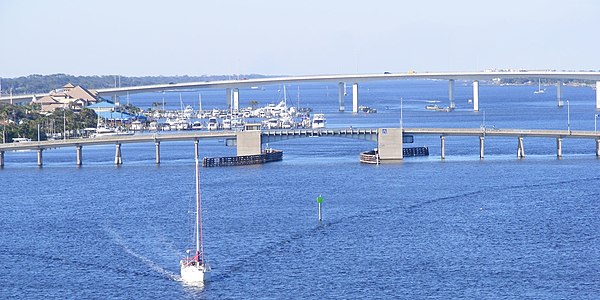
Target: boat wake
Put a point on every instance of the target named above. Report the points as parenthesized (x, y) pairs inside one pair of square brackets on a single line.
[(119, 240)]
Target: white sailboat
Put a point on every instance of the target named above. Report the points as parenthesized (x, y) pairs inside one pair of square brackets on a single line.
[(540, 90), (195, 269)]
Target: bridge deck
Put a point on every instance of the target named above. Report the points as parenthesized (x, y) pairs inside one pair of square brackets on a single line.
[(278, 135)]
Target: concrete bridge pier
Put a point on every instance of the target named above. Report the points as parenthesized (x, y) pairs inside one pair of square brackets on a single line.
[(78, 158), (559, 100), (520, 149), (196, 149), (118, 158), (355, 98), (236, 100), (1, 159), (228, 97), (341, 94), (597, 95), (481, 144), (598, 148), (475, 95), (389, 143), (559, 147), (451, 92), (157, 151), (249, 142), (40, 161), (443, 144)]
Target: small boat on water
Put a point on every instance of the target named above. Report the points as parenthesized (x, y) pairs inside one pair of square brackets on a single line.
[(213, 124), (195, 269), (107, 131), (540, 90), (318, 121)]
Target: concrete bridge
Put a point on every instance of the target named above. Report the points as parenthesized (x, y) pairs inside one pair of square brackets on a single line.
[(389, 140), (232, 86)]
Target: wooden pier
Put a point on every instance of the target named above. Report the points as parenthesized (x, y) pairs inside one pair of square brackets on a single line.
[(268, 155)]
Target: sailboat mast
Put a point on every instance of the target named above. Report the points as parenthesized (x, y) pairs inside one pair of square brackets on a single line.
[(199, 246)]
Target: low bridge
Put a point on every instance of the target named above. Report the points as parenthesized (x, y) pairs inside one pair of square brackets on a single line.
[(389, 140)]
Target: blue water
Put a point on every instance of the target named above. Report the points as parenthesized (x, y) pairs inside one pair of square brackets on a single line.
[(423, 228)]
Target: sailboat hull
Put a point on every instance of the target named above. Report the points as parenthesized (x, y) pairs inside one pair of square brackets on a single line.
[(194, 273)]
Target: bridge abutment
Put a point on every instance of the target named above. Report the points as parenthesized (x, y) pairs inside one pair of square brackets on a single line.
[(390, 143), (355, 98), (341, 92), (475, 95)]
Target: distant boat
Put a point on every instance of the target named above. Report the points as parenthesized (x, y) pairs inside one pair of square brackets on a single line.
[(195, 269), (318, 121), (540, 90)]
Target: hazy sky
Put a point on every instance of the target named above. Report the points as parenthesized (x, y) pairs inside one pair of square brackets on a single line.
[(178, 37)]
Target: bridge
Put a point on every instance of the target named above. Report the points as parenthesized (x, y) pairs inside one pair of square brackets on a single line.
[(389, 140), (232, 86)]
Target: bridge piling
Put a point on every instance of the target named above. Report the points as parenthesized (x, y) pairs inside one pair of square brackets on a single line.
[(227, 97), (559, 101), (40, 161), (118, 158), (341, 92), (443, 146), (196, 150), (475, 95), (355, 98), (157, 151), (559, 148), (481, 139), (520, 148), (236, 99), (597, 95), (451, 92), (79, 159), (598, 148), (1, 159)]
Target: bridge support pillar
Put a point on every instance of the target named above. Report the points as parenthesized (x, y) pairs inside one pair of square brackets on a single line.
[(196, 149), (389, 143), (228, 97), (157, 151), (40, 161), (249, 142), (236, 99), (475, 95), (118, 158), (559, 147), (597, 95), (520, 148), (451, 92), (481, 142), (1, 159), (598, 148), (559, 100), (341, 92), (78, 156), (355, 97), (443, 146)]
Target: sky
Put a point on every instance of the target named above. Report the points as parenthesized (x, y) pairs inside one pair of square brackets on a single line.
[(308, 37)]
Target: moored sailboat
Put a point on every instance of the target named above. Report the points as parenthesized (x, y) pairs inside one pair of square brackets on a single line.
[(195, 269)]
